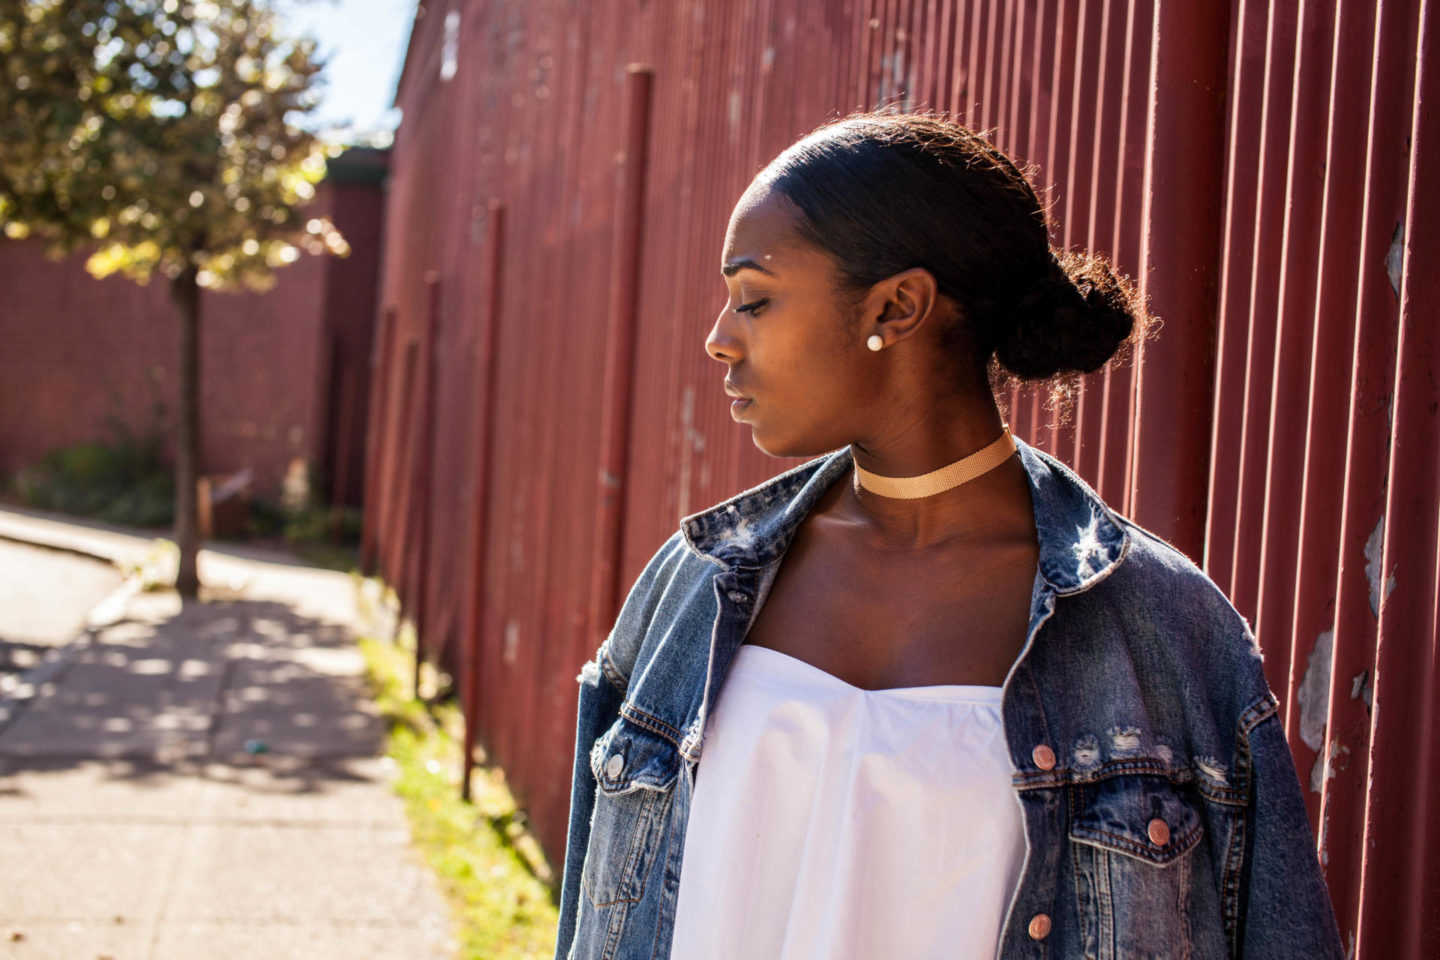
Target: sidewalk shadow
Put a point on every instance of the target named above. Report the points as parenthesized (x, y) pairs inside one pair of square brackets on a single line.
[(210, 688)]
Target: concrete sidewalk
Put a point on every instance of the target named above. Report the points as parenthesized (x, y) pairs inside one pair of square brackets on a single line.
[(205, 780)]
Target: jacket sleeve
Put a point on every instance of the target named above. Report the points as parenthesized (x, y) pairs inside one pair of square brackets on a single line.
[(603, 682), (599, 706), (1285, 905)]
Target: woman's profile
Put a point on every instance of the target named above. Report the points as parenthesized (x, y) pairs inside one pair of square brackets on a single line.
[(925, 695)]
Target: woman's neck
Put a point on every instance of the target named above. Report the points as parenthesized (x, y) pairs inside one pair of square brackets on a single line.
[(992, 504)]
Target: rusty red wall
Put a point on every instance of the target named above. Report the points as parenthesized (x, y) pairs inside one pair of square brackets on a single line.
[(280, 371), (1322, 506), (1263, 168)]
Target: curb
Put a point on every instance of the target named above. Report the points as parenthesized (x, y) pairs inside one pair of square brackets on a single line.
[(17, 692), (78, 551)]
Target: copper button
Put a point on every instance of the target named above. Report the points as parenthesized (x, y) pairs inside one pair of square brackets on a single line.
[(1044, 757), (1159, 832), (1040, 926)]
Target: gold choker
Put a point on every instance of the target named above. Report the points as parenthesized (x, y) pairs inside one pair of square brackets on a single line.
[(938, 481)]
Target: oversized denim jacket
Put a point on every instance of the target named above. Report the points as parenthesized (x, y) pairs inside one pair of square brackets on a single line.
[(1163, 815)]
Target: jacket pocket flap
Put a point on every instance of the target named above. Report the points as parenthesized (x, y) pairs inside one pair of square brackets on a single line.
[(629, 757), (1142, 817)]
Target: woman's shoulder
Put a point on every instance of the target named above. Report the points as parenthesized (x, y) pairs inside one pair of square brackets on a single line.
[(672, 586), (1170, 575), (1176, 617), (673, 563), (675, 592)]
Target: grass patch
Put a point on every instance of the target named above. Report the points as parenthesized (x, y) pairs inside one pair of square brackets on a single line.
[(499, 887), (344, 557), (122, 480)]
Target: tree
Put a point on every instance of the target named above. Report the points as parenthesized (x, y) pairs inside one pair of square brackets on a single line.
[(160, 135)]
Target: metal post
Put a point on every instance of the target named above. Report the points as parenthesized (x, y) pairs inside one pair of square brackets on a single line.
[(486, 361), (1180, 268), (424, 471), (620, 349), (395, 518), (380, 357)]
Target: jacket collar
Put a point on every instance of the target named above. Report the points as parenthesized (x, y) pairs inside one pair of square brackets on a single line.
[(1080, 537)]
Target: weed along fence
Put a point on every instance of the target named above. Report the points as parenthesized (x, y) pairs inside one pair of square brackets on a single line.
[(544, 413)]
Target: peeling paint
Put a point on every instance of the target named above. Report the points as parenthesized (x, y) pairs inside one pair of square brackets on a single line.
[(512, 641), (1362, 689), (1327, 764), (1395, 258), (1374, 550), (1339, 757), (1314, 693), (690, 443)]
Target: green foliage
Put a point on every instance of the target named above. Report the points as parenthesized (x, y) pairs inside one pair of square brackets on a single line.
[(301, 514), (315, 522), (158, 133), (486, 863), (311, 521), (124, 480)]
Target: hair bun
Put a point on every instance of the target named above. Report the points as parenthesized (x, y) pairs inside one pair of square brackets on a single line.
[(1073, 320)]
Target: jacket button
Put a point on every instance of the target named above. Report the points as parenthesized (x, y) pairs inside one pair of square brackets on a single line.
[(1044, 758), (614, 765), (1039, 926), (1159, 832)]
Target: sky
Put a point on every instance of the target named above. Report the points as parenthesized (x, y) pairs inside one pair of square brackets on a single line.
[(364, 44)]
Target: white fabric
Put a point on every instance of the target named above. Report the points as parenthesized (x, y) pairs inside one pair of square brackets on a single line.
[(833, 822)]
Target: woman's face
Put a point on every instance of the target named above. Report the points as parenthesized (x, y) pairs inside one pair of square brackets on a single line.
[(798, 370)]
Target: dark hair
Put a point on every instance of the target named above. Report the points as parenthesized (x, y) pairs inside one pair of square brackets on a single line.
[(883, 193)]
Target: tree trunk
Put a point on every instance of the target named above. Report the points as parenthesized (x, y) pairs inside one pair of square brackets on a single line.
[(185, 293)]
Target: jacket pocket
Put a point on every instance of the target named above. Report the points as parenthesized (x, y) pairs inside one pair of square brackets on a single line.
[(629, 757), (635, 770), (1146, 818), (1136, 878)]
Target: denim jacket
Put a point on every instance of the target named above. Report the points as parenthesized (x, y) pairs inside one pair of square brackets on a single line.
[(1163, 815)]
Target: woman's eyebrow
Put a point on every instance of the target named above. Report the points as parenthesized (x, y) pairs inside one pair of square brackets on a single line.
[(735, 266)]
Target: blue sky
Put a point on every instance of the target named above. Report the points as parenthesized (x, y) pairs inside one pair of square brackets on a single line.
[(364, 43)]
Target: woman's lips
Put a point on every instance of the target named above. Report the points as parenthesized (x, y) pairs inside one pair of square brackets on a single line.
[(740, 402)]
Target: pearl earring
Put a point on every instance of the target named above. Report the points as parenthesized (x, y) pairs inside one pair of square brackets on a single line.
[(876, 342)]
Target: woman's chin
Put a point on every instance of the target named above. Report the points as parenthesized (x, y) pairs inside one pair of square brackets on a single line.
[(772, 444)]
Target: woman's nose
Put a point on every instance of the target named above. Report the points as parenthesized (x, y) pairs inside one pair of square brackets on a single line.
[(721, 344)]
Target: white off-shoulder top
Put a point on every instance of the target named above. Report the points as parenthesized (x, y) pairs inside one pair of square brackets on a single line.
[(834, 822)]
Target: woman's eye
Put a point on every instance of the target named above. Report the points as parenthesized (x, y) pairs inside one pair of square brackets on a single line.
[(752, 306)]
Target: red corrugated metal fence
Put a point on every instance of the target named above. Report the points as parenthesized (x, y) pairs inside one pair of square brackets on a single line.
[(545, 412)]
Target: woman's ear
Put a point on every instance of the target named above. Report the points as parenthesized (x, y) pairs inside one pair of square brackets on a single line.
[(898, 305)]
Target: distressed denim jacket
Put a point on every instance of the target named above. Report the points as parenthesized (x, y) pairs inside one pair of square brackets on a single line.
[(1163, 815)]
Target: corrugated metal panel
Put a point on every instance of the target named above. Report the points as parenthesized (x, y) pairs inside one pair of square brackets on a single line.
[(1325, 141), (1260, 166)]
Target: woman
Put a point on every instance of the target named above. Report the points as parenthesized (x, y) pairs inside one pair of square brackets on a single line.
[(951, 704)]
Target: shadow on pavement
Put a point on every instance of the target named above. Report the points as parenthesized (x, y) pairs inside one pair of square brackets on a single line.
[(248, 683)]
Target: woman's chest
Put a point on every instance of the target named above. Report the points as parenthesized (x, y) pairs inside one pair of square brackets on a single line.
[(958, 617)]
